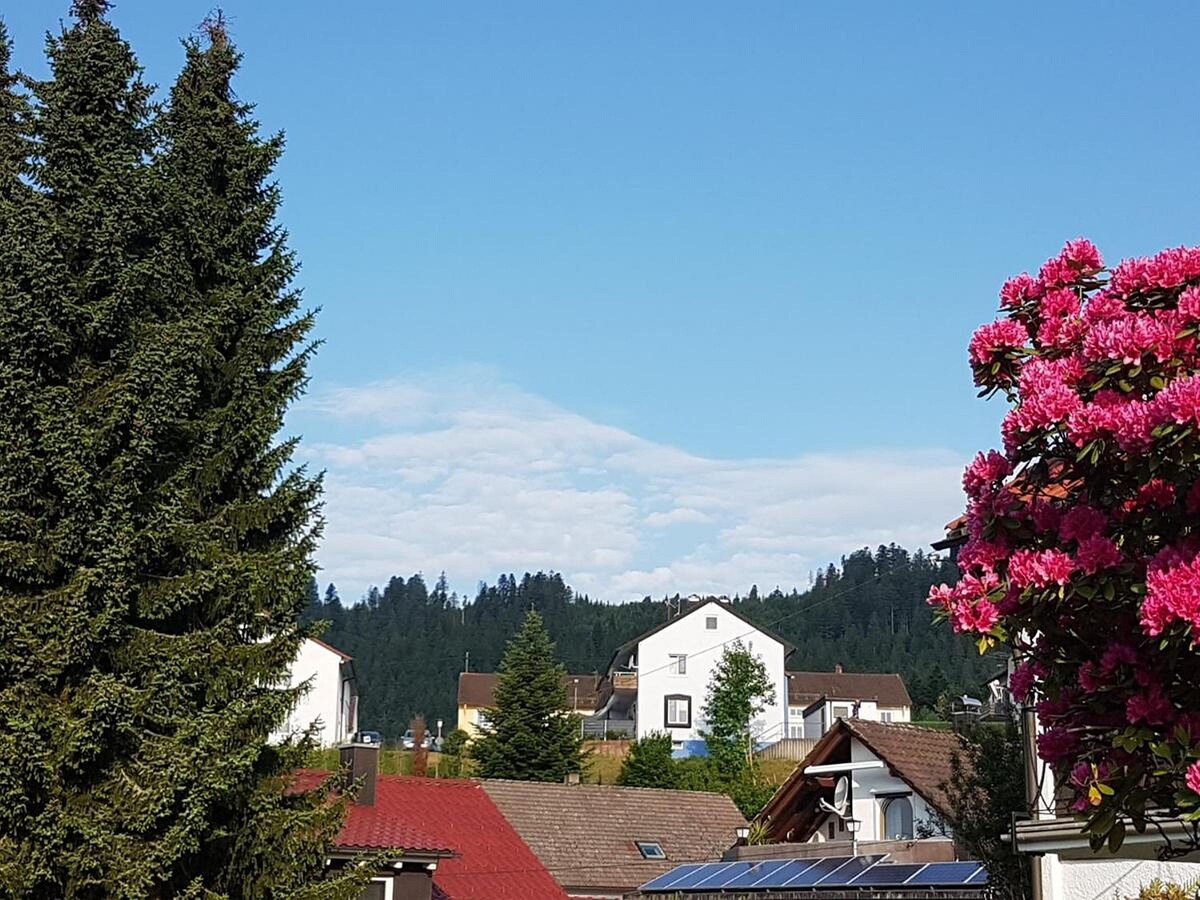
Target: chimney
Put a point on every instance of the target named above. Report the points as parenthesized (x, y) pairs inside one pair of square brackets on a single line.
[(838, 668), (362, 762), (571, 778)]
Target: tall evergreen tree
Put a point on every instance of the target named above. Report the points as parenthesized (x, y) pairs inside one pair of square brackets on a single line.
[(531, 735), (155, 567)]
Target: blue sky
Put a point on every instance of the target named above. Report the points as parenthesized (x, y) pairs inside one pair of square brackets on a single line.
[(653, 293)]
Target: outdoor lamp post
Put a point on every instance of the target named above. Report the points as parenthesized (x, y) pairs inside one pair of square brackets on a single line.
[(852, 826), (743, 833)]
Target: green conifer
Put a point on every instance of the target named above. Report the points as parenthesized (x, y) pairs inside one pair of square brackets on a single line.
[(531, 736), (650, 763), (156, 543)]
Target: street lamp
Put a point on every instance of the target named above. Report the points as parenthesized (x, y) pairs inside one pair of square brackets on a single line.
[(852, 826), (743, 833)]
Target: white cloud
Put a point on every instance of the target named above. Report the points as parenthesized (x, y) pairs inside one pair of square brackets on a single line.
[(463, 473)]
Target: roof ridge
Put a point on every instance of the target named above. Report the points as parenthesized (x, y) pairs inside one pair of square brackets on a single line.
[(615, 787)]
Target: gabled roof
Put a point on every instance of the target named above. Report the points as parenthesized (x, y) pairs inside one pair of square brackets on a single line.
[(886, 689), (479, 689), (490, 860), (585, 833), (788, 647), (920, 757)]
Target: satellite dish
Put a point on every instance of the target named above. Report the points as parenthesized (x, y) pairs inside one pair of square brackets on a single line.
[(841, 795)]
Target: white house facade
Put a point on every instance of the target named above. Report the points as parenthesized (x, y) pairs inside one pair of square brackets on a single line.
[(659, 681), (816, 700), (331, 701)]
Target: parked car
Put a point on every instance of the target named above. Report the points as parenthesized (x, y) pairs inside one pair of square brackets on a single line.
[(408, 743), (368, 737)]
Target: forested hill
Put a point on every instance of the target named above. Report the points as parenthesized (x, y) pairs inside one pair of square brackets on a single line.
[(410, 641)]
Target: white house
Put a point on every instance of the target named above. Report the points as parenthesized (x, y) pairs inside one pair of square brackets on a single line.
[(332, 698), (818, 699), (659, 681), (890, 777)]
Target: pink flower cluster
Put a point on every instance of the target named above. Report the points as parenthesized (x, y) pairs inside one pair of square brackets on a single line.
[(995, 338), (1168, 269), (1085, 531), (1172, 593), (1039, 568)]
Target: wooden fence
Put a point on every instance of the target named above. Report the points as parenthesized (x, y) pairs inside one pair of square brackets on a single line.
[(788, 748)]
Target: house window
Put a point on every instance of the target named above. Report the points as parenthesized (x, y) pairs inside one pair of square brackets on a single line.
[(897, 819), (885, 715), (650, 849), (710, 623), (831, 829), (678, 711), (795, 729), (841, 711), (481, 718), (678, 664)]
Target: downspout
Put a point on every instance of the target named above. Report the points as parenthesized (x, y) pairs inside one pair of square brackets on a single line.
[(1032, 793)]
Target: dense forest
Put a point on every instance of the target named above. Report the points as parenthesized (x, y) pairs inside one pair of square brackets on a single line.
[(410, 641)]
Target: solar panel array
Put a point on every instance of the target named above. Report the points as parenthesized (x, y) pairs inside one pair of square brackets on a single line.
[(871, 871)]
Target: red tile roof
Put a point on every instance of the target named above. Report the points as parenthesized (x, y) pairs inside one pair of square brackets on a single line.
[(491, 862)]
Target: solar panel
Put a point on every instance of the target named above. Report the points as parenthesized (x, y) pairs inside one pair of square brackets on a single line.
[(944, 873), (888, 874), (763, 871), (662, 882), (783, 875), (815, 872), (980, 877), (726, 874), (848, 871), (702, 873)]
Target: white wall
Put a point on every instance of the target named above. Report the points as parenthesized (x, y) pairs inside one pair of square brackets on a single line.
[(1108, 879), (326, 700), (688, 634), (867, 786), (815, 726)]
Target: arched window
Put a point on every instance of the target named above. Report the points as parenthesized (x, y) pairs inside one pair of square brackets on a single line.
[(898, 819)]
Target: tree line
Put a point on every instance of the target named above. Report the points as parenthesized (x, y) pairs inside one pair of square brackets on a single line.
[(867, 613)]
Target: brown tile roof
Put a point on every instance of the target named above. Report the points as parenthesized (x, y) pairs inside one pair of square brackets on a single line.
[(479, 689), (918, 756), (320, 643), (885, 689), (584, 833)]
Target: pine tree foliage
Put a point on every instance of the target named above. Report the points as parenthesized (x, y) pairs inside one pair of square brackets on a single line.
[(531, 735), (155, 541)]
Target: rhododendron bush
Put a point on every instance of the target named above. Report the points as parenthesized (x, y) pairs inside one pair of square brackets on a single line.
[(1084, 532)]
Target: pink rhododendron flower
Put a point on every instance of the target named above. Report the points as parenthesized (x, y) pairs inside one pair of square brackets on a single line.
[(1020, 682), (1129, 338), (1150, 706), (995, 338), (1167, 269), (1057, 744), (1193, 777), (978, 617), (1180, 401), (1103, 307), (1045, 516), (985, 472), (941, 596), (1082, 522), (981, 554), (1116, 655), (1082, 255), (1090, 677), (1172, 594), (1097, 553), (1131, 422), (1155, 493), (1189, 304), (1018, 289), (1039, 568)]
